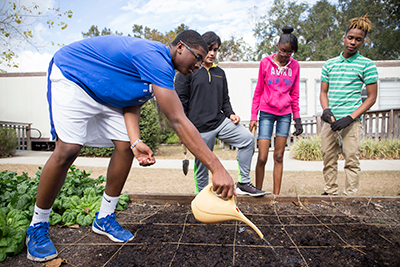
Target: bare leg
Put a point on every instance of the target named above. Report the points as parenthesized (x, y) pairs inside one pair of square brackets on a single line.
[(54, 173), (118, 168), (263, 149), (278, 163)]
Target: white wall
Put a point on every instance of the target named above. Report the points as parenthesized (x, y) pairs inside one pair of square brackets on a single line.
[(23, 99), (23, 95)]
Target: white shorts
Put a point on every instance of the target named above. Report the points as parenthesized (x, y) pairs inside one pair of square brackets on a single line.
[(79, 119)]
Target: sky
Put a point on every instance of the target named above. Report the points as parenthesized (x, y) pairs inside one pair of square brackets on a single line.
[(225, 17)]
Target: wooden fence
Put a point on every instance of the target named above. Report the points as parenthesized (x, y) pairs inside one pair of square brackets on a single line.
[(23, 131), (377, 124)]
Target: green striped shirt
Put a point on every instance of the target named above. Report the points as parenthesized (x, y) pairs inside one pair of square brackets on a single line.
[(346, 77)]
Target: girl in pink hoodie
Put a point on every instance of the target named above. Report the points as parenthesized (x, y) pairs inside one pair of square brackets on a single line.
[(276, 97)]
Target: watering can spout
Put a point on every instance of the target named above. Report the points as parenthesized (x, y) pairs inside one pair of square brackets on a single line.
[(207, 207)]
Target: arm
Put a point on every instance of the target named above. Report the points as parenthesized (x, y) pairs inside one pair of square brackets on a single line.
[(141, 151), (294, 95), (169, 103), (372, 92), (256, 98), (226, 103), (323, 97)]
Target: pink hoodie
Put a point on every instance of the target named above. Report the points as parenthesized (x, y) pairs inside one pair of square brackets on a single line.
[(277, 90)]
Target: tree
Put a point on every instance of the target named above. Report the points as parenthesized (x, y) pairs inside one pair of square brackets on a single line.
[(234, 49), (94, 32), (383, 39), (146, 33), (17, 24), (322, 35), (269, 27)]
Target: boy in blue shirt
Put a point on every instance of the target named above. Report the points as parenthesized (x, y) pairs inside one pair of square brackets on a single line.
[(95, 90)]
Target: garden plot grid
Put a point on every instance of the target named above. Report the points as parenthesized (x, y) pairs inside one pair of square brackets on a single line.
[(316, 234)]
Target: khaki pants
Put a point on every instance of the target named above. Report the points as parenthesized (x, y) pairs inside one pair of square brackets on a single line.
[(351, 138)]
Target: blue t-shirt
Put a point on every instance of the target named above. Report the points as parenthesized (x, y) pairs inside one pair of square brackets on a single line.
[(117, 70)]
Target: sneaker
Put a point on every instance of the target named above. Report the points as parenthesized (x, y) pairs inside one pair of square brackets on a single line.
[(249, 189), (39, 245), (110, 227)]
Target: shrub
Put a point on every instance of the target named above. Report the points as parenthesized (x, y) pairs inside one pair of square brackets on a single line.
[(88, 151), (384, 148), (307, 149), (149, 126), (8, 142), (173, 139), (310, 149)]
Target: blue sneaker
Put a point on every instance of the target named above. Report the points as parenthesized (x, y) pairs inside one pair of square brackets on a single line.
[(39, 245), (110, 227)]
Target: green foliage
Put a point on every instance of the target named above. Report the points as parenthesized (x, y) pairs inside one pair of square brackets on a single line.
[(382, 40), (310, 149), (77, 203), (307, 149), (94, 32), (380, 149), (320, 28), (152, 34), (17, 25), (8, 142), (88, 151), (173, 139), (149, 126), (13, 226)]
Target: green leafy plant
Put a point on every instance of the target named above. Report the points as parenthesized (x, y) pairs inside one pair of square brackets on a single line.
[(77, 203), (13, 226), (8, 142)]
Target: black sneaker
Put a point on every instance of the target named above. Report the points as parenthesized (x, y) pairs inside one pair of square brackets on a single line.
[(249, 189), (324, 194)]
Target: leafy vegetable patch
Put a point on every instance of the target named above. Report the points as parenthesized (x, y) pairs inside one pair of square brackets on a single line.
[(77, 203)]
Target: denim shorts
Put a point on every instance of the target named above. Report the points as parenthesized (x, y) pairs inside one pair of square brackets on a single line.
[(266, 125)]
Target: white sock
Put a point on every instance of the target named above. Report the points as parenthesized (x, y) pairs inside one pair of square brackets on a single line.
[(108, 205), (40, 215)]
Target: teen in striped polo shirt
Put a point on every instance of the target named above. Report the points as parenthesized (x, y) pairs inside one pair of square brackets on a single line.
[(342, 80)]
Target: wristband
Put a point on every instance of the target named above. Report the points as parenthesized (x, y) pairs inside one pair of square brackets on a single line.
[(134, 144)]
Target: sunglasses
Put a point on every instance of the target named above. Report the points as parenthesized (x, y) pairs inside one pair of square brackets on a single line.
[(198, 58)]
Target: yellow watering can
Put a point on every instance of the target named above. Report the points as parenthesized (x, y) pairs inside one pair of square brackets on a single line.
[(207, 207)]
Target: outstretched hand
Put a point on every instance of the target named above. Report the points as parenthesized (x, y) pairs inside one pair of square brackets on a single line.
[(143, 154)]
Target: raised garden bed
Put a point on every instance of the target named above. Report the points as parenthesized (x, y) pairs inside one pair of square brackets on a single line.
[(303, 231)]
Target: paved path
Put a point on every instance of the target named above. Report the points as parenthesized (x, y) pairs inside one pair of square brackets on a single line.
[(40, 158)]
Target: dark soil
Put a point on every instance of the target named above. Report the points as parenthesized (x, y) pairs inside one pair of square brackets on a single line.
[(317, 234)]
